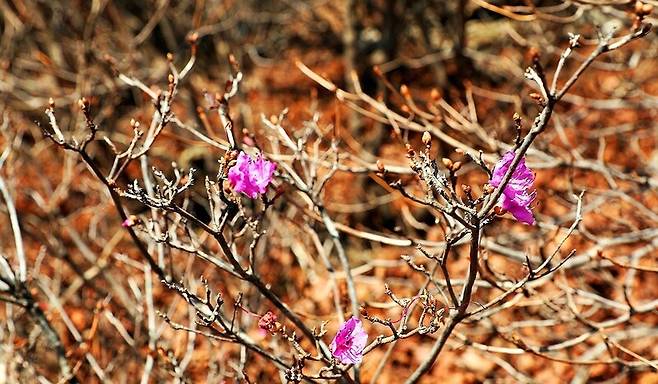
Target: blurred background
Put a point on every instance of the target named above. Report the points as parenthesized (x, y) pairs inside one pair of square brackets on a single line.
[(469, 53)]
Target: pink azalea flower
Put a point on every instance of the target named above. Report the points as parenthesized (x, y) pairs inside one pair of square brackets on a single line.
[(250, 176), (348, 344), (515, 198)]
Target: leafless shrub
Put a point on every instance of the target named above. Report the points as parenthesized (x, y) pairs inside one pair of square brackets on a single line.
[(265, 282)]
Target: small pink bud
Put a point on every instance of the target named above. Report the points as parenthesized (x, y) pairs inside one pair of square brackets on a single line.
[(131, 221), (268, 322)]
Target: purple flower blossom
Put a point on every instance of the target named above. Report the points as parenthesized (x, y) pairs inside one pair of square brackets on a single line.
[(250, 176), (515, 198), (348, 344)]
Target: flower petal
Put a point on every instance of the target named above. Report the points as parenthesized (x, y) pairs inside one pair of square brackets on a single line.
[(349, 343), (515, 198), (251, 177)]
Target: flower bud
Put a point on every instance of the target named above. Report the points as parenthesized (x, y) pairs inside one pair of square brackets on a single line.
[(410, 151), (380, 166), (131, 221), (268, 322), (647, 9), (404, 90), (193, 37), (435, 95), (83, 103), (232, 60), (638, 6), (536, 96), (427, 138)]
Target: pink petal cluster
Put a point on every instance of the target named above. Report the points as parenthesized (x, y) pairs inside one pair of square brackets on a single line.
[(268, 322), (250, 176), (348, 344), (516, 198)]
